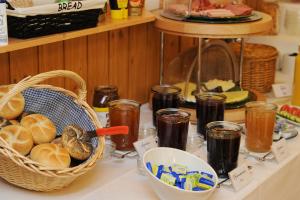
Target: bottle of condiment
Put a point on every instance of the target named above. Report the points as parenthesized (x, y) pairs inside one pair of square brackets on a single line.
[(296, 90), (136, 7), (118, 9), (102, 96)]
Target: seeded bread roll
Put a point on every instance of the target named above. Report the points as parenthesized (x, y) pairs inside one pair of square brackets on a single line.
[(51, 155), (14, 107), (77, 142), (42, 129), (18, 137)]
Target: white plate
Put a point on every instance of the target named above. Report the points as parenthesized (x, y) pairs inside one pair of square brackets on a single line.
[(288, 120)]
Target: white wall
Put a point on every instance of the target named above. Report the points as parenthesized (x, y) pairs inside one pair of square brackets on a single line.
[(285, 45), (151, 4)]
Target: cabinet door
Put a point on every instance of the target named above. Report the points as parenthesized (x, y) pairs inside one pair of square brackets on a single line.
[(4, 69), (153, 58), (137, 87), (51, 57), (75, 51), (118, 60), (23, 63), (97, 62)]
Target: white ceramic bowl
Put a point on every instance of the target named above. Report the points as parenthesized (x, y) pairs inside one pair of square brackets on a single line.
[(170, 156)]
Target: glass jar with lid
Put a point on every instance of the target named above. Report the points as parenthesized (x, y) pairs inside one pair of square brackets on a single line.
[(104, 94)]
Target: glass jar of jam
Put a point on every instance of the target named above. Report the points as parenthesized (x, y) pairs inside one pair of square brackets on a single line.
[(125, 112), (104, 94)]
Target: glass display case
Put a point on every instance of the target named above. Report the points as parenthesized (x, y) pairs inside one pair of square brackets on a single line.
[(219, 68)]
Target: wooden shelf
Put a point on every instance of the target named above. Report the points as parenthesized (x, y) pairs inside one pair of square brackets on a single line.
[(107, 25), (213, 30)]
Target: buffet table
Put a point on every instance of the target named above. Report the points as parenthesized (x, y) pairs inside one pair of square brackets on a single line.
[(120, 179)]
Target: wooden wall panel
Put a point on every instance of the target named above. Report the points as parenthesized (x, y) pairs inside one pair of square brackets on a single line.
[(51, 57), (118, 60), (171, 50), (153, 58), (4, 69), (23, 63), (127, 58), (186, 43), (137, 86), (75, 51), (255, 4), (97, 62)]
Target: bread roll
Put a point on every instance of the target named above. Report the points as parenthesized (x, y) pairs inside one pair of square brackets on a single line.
[(77, 142), (51, 155), (57, 141), (14, 122), (42, 129), (24, 114), (14, 107), (18, 137), (4, 122)]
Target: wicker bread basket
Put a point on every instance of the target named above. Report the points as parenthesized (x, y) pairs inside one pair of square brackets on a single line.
[(259, 66), (22, 171)]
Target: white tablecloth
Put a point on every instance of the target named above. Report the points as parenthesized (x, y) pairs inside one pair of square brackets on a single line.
[(120, 179)]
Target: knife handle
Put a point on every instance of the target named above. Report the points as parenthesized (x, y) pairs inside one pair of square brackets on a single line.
[(115, 130)]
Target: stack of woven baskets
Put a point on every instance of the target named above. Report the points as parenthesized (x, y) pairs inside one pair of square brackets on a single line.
[(62, 107)]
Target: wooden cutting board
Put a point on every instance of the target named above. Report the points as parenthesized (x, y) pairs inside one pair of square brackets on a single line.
[(233, 115)]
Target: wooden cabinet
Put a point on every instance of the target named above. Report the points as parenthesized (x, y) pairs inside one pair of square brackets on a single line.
[(126, 57)]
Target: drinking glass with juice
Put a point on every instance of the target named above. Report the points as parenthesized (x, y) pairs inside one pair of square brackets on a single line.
[(172, 128), (223, 144), (260, 123), (164, 96), (209, 107)]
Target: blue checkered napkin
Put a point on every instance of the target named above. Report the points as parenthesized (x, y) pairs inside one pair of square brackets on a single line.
[(59, 108)]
